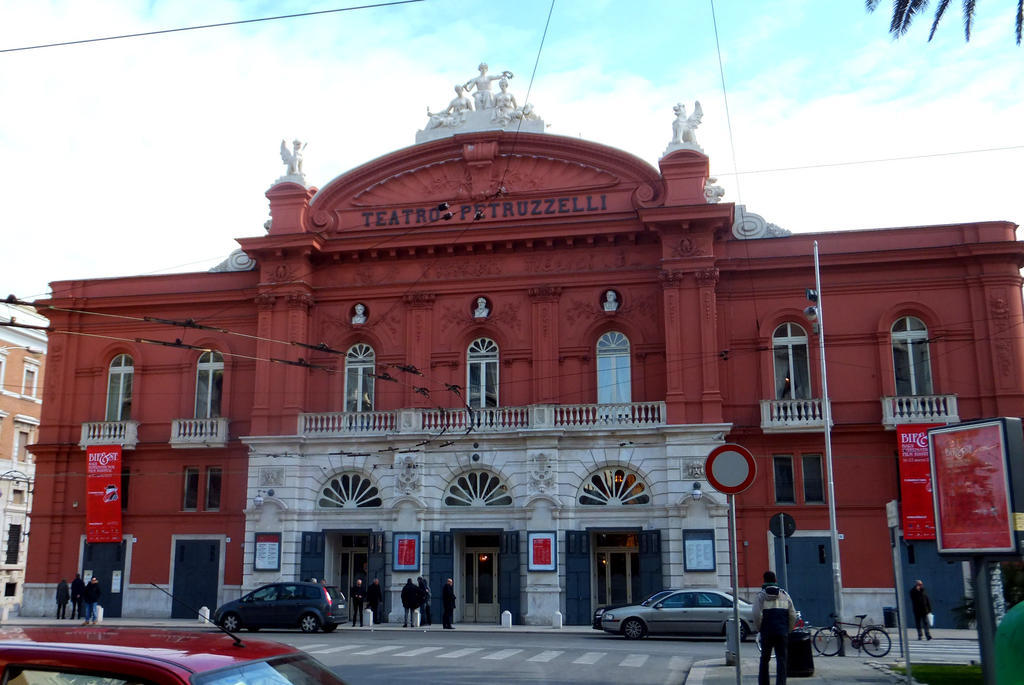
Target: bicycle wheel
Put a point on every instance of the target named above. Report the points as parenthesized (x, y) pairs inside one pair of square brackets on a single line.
[(876, 642), (826, 642)]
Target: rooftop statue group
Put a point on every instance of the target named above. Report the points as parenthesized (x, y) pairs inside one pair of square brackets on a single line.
[(487, 108)]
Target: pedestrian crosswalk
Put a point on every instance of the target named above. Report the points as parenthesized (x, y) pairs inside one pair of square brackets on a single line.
[(942, 651), (584, 658)]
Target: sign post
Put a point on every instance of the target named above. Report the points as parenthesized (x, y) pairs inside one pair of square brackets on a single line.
[(782, 526), (731, 469), (892, 515)]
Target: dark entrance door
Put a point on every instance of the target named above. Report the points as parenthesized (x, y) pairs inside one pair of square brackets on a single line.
[(577, 578), (311, 557), (105, 561), (508, 575), (943, 580), (650, 564), (196, 577), (377, 569), (809, 574), (442, 567)]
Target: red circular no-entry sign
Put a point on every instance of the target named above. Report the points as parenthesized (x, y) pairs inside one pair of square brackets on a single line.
[(730, 468)]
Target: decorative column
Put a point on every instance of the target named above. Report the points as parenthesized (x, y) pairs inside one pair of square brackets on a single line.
[(418, 344), (264, 368), (675, 393), (544, 301), (296, 377), (711, 394)]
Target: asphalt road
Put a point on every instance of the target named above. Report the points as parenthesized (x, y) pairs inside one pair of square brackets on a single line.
[(395, 657)]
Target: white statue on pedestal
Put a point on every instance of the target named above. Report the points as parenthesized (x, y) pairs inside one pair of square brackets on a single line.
[(454, 114), (504, 104), (683, 128), (611, 301), (482, 311), (482, 97), (293, 158)]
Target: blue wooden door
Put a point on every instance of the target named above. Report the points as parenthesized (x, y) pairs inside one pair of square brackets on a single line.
[(376, 568), (943, 580), (442, 567), (577, 578), (105, 561), (650, 564), (508, 575), (809, 572), (196, 571), (311, 557)]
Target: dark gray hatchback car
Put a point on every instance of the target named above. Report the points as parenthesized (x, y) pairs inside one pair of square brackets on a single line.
[(307, 606)]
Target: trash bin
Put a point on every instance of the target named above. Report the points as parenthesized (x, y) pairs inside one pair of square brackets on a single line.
[(800, 661), (889, 616)]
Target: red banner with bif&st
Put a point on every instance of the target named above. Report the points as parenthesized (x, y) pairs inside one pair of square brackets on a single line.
[(103, 493)]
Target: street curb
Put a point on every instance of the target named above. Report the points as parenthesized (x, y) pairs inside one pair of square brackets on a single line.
[(699, 670)]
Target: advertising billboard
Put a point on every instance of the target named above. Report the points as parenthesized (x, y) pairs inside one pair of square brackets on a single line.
[(916, 481), (971, 480), (103, 493)]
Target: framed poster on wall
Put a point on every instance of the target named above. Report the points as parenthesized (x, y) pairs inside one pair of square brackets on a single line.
[(542, 551), (699, 550), (268, 552), (405, 552)]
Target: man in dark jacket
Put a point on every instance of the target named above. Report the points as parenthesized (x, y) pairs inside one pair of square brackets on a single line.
[(374, 599), (63, 595), (355, 601), (410, 602), (91, 596), (77, 590), (448, 605), (424, 601), (922, 607), (774, 618)]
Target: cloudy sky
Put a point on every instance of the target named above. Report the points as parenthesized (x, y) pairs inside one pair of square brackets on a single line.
[(152, 154)]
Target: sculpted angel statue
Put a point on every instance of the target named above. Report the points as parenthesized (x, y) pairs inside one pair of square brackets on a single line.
[(482, 97), (454, 113), (684, 126), (293, 158)]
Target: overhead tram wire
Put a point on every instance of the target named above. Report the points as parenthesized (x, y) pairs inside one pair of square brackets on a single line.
[(197, 27)]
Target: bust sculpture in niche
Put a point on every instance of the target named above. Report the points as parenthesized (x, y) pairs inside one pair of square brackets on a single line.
[(482, 311), (360, 314), (611, 301)]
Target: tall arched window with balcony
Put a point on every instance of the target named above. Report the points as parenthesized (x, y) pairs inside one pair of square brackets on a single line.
[(792, 370), (910, 357), (209, 382), (613, 379), (482, 373), (359, 365), (119, 388)]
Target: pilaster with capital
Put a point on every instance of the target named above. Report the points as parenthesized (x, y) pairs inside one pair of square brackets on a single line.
[(711, 398), (265, 303), (296, 378), (418, 340), (672, 296), (544, 310)]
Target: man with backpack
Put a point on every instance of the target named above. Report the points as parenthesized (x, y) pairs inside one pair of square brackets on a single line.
[(774, 618)]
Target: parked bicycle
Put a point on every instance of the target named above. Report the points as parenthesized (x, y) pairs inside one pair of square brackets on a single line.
[(872, 639)]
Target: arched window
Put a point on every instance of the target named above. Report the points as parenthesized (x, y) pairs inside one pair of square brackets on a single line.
[(119, 388), (359, 378), (349, 491), (613, 381), (482, 373), (209, 381), (477, 489), (614, 486), (792, 372), (910, 357)]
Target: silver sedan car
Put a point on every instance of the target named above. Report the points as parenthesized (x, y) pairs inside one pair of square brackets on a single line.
[(686, 612)]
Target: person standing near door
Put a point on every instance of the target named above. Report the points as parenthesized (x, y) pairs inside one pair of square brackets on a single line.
[(922, 606), (91, 596), (774, 617), (374, 598), (424, 601), (356, 597), (448, 605), (77, 590), (63, 595), (410, 602)]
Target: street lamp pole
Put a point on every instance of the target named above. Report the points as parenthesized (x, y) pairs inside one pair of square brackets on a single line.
[(837, 572)]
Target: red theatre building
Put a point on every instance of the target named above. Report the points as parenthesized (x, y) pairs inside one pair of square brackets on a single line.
[(503, 357)]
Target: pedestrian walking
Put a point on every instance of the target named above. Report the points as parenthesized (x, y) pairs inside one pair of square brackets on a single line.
[(424, 602), (356, 596), (448, 605), (774, 617), (410, 602), (922, 609), (77, 591), (91, 597), (63, 596), (374, 599)]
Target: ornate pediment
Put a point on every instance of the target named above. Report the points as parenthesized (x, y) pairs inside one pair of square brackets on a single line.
[(459, 179)]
